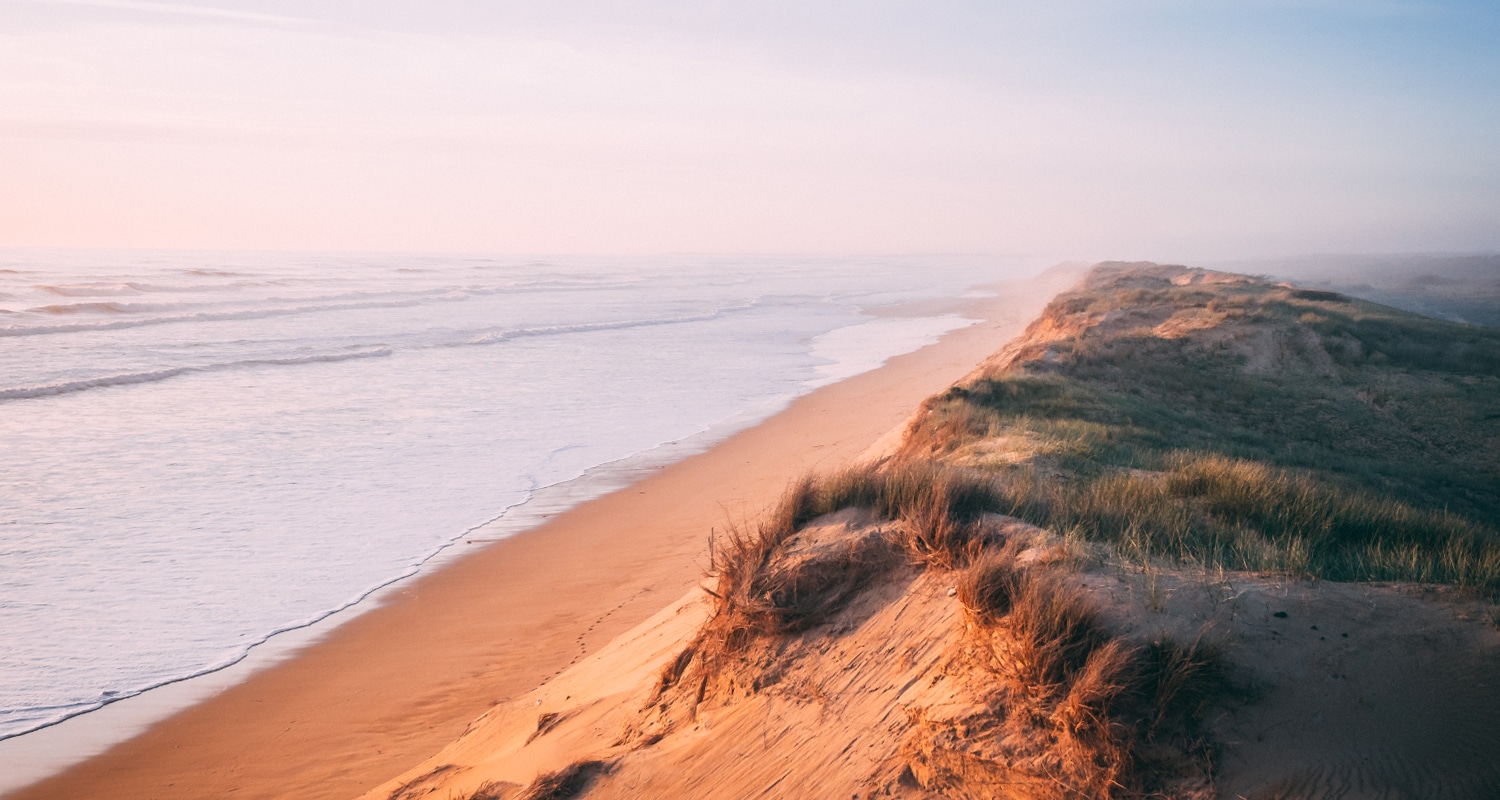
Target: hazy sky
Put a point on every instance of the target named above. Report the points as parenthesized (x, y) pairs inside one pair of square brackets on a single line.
[(1151, 129)]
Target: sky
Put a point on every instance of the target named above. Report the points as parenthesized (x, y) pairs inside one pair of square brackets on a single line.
[(1163, 129)]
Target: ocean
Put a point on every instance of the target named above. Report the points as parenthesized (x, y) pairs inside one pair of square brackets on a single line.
[(203, 450)]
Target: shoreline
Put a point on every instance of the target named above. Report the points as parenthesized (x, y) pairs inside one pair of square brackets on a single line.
[(389, 687), (51, 749), (120, 716)]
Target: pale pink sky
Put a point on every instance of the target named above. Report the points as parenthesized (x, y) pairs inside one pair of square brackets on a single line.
[(1150, 129)]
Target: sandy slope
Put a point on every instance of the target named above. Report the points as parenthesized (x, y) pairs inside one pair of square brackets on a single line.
[(391, 687), (829, 722), (1356, 692)]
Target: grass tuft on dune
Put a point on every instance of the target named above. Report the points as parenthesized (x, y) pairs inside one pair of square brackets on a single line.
[(1069, 703)]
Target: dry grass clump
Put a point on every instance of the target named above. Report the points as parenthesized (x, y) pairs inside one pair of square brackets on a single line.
[(489, 790), (421, 786), (939, 507), (1050, 634), (568, 782), (988, 588), (931, 533), (1181, 681), (893, 491), (766, 586), (909, 489), (769, 582), (942, 425), (1075, 711)]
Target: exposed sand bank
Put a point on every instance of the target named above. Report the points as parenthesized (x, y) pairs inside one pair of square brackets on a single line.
[(1350, 691), (390, 688)]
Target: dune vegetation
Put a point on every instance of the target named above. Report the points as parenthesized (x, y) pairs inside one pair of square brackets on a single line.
[(1070, 708), (1243, 425)]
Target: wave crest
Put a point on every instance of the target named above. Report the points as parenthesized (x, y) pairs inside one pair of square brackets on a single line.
[(126, 379)]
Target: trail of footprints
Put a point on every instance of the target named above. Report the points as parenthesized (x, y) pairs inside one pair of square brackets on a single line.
[(583, 649)]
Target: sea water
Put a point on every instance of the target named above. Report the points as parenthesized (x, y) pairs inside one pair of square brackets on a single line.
[(198, 451)]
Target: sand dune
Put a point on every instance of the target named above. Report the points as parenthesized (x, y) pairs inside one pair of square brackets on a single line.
[(1357, 692)]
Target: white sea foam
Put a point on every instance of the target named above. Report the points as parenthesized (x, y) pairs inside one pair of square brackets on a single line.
[(269, 440)]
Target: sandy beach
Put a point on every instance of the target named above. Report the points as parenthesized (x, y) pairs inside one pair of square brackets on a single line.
[(391, 687)]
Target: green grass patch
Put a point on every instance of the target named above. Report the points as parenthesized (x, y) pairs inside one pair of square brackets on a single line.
[(1299, 431)]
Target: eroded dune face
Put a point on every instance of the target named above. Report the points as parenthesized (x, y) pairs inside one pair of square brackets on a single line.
[(1336, 691)]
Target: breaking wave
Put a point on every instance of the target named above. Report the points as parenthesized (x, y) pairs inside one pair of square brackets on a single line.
[(126, 379)]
